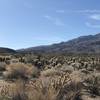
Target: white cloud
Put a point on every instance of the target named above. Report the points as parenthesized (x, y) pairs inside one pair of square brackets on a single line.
[(55, 21), (79, 11), (88, 11), (92, 25), (95, 16)]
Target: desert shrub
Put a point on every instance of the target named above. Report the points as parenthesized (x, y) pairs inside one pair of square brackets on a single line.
[(19, 92), (77, 76), (71, 91), (98, 67), (85, 71), (92, 84), (48, 88), (35, 71), (5, 98), (50, 72), (18, 71), (2, 66), (67, 68), (43, 90), (20, 74)]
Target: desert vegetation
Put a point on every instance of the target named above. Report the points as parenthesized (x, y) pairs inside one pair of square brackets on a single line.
[(49, 77)]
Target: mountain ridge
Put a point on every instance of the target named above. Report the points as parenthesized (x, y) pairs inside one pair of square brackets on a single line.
[(82, 44), (6, 50)]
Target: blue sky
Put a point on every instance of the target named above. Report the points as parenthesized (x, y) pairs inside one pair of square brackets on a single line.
[(28, 23)]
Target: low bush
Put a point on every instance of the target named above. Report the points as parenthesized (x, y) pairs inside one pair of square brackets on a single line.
[(2, 66), (18, 71)]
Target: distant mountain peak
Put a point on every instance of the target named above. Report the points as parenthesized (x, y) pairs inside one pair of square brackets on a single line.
[(82, 44)]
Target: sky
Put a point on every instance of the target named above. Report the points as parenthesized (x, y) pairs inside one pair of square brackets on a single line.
[(29, 23)]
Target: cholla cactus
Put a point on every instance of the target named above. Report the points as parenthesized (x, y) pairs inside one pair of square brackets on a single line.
[(92, 84)]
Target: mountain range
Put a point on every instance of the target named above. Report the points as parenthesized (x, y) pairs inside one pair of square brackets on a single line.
[(82, 44)]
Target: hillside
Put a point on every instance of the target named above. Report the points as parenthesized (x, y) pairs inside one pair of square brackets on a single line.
[(83, 44), (6, 50)]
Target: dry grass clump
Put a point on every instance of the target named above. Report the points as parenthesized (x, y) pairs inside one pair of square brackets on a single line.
[(50, 72), (21, 74), (19, 92), (17, 71)]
